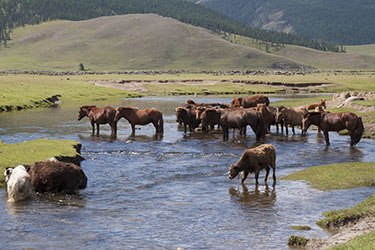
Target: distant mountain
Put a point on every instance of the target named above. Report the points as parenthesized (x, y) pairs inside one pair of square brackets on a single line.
[(338, 21)]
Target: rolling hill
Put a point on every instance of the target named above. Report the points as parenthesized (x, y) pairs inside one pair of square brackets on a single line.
[(152, 42), (129, 42), (339, 21)]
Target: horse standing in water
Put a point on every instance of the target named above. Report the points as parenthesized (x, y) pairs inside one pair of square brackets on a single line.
[(335, 122), (99, 116), (141, 117)]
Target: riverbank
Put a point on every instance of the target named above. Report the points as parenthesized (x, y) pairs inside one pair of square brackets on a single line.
[(26, 153), (351, 224)]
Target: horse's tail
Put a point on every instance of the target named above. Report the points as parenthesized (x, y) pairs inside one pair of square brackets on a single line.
[(161, 125), (358, 131)]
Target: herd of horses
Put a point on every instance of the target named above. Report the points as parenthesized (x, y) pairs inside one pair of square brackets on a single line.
[(254, 111)]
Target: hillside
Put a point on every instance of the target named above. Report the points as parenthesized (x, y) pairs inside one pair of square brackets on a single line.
[(17, 13), (338, 21), (355, 59), (129, 42)]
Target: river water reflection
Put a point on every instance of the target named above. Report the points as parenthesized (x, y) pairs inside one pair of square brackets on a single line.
[(171, 192)]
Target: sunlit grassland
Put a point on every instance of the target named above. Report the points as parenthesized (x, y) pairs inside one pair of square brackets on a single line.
[(337, 176), (26, 90), (29, 152)]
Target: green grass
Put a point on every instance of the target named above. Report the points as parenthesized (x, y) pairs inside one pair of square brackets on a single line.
[(303, 101), (337, 176), (328, 60), (300, 227), (28, 91), (363, 242), (337, 218), (29, 152), (368, 49)]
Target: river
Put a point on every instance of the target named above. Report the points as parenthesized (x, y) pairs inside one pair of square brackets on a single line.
[(171, 192)]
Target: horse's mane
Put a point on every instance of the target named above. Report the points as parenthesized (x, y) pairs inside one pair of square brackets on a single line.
[(131, 108), (88, 107)]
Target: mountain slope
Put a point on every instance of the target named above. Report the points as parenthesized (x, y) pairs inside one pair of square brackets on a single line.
[(129, 42), (339, 21)]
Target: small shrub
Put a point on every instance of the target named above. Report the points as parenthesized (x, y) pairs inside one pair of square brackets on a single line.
[(297, 241)]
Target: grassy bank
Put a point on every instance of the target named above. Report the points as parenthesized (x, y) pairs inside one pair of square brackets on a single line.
[(29, 91), (337, 176), (337, 218), (29, 152)]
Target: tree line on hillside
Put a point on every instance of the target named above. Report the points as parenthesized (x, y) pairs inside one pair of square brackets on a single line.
[(338, 21), (14, 13)]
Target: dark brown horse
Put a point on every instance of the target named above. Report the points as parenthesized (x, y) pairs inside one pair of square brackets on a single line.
[(335, 122), (137, 116), (99, 116), (248, 102), (240, 118)]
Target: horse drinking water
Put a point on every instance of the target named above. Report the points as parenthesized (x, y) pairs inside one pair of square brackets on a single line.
[(335, 122), (99, 116)]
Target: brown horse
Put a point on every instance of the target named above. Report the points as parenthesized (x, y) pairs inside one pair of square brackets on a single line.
[(248, 102), (99, 116), (336, 122), (315, 105), (240, 118), (291, 116), (141, 117)]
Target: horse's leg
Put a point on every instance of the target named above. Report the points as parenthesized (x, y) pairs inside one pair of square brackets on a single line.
[(326, 136), (267, 173), (156, 125), (256, 175), (352, 138), (97, 129), (93, 128), (244, 176), (113, 129), (185, 127), (294, 133), (286, 129), (133, 129)]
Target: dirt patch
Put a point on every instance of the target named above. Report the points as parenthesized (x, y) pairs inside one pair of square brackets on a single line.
[(346, 233), (138, 85)]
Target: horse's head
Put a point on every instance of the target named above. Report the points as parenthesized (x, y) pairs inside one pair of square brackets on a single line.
[(83, 111), (233, 171), (280, 114), (309, 119), (236, 102)]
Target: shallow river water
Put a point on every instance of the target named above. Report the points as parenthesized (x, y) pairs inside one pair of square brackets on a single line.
[(171, 192)]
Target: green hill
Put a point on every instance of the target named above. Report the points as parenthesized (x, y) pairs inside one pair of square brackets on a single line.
[(129, 42), (354, 59), (338, 21)]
